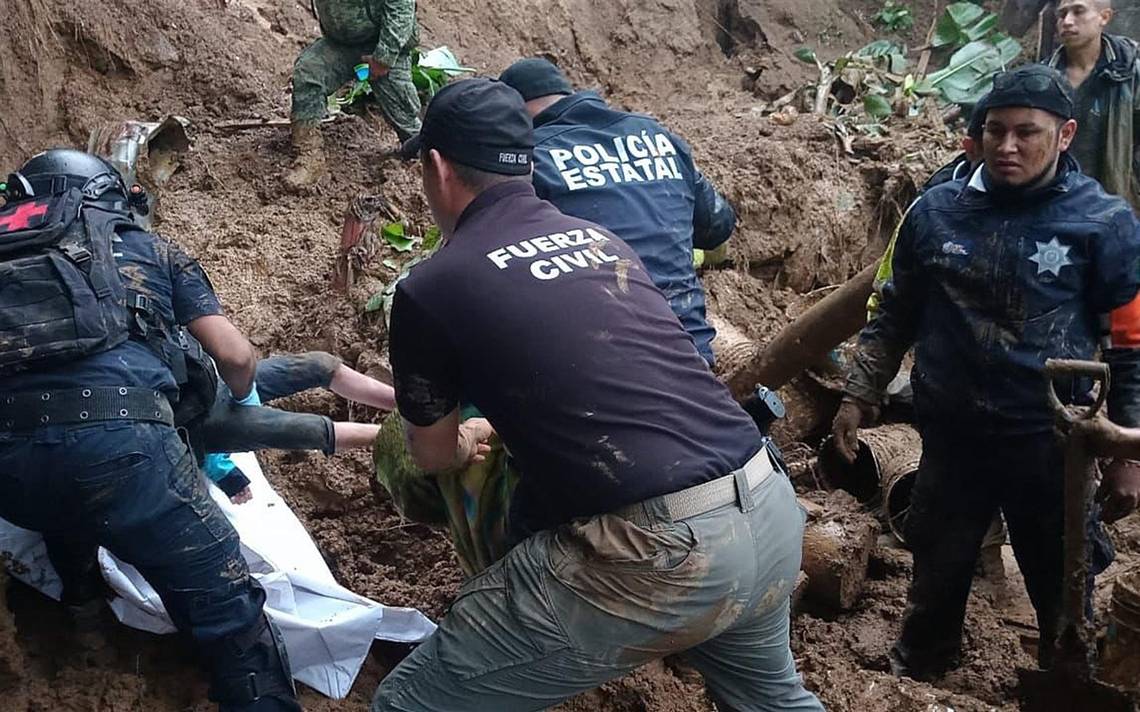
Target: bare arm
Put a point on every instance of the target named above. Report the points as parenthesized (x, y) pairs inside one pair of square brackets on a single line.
[(445, 444), (231, 351)]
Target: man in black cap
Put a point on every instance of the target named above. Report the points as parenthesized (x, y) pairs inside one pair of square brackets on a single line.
[(628, 173), (650, 515), (1025, 259)]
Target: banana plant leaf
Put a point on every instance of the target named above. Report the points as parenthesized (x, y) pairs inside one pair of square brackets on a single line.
[(969, 75)]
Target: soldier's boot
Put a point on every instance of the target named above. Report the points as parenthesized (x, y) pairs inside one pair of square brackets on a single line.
[(309, 165)]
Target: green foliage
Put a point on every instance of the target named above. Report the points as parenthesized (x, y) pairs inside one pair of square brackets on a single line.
[(346, 96), (963, 23), (876, 106), (806, 55), (969, 74), (393, 234), (894, 17), (433, 69)]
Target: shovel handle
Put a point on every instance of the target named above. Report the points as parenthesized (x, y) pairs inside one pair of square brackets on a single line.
[(1068, 368)]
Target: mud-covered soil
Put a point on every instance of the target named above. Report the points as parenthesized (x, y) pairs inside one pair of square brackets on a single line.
[(811, 215)]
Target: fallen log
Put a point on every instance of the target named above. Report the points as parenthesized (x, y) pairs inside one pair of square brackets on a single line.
[(805, 341)]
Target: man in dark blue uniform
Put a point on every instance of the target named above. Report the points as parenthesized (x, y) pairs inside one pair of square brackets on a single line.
[(649, 515), (629, 174), (1023, 260), (88, 452)]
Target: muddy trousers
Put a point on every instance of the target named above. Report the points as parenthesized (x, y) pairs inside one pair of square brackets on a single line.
[(134, 488), (570, 608), (230, 427), (325, 65), (963, 480)]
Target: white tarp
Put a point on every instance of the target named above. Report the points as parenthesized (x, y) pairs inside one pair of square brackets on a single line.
[(327, 628)]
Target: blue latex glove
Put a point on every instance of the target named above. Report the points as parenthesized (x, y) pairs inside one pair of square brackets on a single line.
[(252, 399), (221, 470), (218, 466)]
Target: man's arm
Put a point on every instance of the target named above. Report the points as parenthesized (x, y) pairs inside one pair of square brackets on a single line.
[(713, 216), (884, 341), (196, 307), (426, 367), (1116, 293), (446, 444), (397, 21), (234, 356)]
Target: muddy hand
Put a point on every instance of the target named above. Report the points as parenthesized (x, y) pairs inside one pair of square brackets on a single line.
[(242, 497), (375, 69), (845, 428), (1119, 491), (473, 436)]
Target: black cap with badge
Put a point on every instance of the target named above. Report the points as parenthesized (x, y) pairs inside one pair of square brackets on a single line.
[(480, 123)]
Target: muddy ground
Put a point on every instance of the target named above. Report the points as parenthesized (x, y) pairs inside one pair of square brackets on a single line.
[(811, 215)]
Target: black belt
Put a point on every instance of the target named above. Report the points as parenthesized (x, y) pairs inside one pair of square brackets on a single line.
[(32, 409)]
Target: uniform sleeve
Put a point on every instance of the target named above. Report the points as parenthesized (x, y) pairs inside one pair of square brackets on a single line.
[(1117, 298), (713, 216), (192, 294), (397, 21), (885, 340), (425, 365)]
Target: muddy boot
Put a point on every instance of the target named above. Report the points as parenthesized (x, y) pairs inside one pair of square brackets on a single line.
[(309, 166), (92, 647)]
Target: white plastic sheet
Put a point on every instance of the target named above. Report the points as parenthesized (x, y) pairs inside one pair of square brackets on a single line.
[(327, 628)]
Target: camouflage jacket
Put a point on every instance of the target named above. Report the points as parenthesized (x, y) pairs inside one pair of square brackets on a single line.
[(390, 24)]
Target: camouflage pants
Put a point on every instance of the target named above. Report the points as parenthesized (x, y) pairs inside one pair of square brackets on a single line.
[(326, 65)]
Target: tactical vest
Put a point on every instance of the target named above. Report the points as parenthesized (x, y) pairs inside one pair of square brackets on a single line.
[(62, 298)]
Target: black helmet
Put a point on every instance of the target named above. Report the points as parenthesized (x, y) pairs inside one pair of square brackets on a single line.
[(58, 169)]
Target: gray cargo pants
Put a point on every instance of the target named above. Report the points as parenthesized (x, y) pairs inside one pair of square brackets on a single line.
[(568, 609)]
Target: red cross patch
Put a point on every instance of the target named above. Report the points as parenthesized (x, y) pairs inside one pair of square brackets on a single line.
[(23, 216)]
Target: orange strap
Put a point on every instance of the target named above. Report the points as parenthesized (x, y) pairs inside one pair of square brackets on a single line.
[(1125, 325)]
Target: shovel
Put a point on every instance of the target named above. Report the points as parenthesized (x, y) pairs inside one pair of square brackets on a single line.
[(1069, 684)]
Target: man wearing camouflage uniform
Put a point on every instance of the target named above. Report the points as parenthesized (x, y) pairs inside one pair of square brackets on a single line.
[(381, 33)]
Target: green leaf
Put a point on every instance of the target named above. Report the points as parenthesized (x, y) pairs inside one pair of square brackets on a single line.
[(878, 48), (442, 59), (951, 29), (698, 257), (431, 238), (983, 27), (375, 302), (965, 13), (394, 234), (806, 55), (969, 75), (876, 106)]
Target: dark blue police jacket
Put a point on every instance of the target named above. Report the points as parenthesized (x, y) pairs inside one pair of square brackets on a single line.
[(629, 174), (987, 287)]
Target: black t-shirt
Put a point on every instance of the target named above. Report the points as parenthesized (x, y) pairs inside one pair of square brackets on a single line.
[(550, 326)]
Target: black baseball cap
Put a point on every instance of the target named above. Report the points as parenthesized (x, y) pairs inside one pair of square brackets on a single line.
[(1036, 86), (534, 77), (480, 123)]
